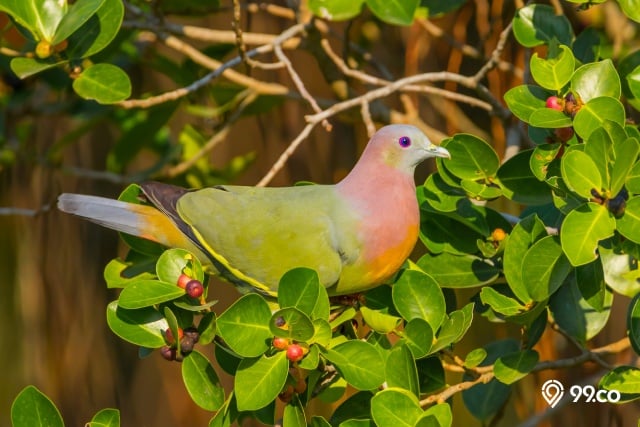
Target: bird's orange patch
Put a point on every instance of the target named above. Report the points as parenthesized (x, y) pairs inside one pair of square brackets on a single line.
[(385, 264)]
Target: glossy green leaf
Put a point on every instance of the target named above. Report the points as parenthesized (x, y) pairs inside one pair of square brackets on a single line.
[(480, 190), (291, 323), (515, 366), (40, 17), (418, 335), (145, 293), (475, 357), (524, 100), (440, 195), (379, 321), (436, 416), (356, 406), (293, 415), (581, 174), (202, 382), (245, 326), (453, 328), (574, 315), (625, 380), (416, 294), (528, 231), (500, 303), (98, 31), (431, 374), (26, 67), (300, 288), (105, 418), (539, 161), (259, 380), (545, 267), (600, 145), (633, 323), (484, 400), (118, 273), (597, 111), (595, 80), (458, 271), (395, 407), (394, 12), (631, 8), (519, 183), (553, 72), (142, 327), (401, 370), (442, 233), (173, 262), (590, 279), (538, 24), (32, 408), (633, 82), (626, 153), (549, 118), (582, 229), (629, 224), (471, 157), (633, 179), (104, 83), (359, 363), (76, 16), (620, 271), (336, 10)]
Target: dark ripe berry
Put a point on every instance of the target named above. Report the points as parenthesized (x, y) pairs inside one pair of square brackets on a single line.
[(618, 204), (280, 343), (194, 289), (554, 103), (286, 394), (183, 280), (168, 353), (301, 385), (295, 353), (186, 345), (564, 134), (192, 333), (280, 322), (168, 335)]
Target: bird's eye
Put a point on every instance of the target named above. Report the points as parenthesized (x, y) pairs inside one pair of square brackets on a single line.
[(404, 141)]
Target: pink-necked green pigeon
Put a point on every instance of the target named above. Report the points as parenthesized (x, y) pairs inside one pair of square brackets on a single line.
[(355, 234)]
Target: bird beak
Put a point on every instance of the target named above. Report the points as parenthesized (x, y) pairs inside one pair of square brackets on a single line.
[(437, 151)]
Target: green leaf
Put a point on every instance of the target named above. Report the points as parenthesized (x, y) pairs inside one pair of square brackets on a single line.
[(118, 273), (631, 8), (500, 303), (590, 279), (633, 82), (401, 370), (418, 335), (439, 195), (453, 328), (580, 173), (431, 374), (629, 224), (97, 32), (458, 271), (106, 418), (356, 406), (142, 327), (524, 100), (293, 415), (259, 380), (145, 293), (202, 382), (599, 147), (395, 12), (336, 10), (173, 262), (40, 17), (395, 407), (633, 323), (545, 267), (359, 363), (104, 83), (379, 321), (595, 113), (518, 182), (76, 16), (32, 408), (475, 357), (626, 153), (537, 24), (574, 314), (633, 179), (417, 295), (26, 67), (620, 271), (300, 288), (528, 231), (554, 72), (595, 80), (245, 326), (436, 416), (514, 366), (549, 118), (484, 400), (624, 379), (582, 229), (291, 323), (471, 157)]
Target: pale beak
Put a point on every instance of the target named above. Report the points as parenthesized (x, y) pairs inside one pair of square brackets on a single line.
[(437, 151)]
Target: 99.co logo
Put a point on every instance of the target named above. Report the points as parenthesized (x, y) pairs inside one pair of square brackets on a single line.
[(553, 391)]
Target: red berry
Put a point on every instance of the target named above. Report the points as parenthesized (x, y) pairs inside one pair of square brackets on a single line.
[(280, 343), (553, 102), (168, 335), (194, 289), (183, 280), (295, 353)]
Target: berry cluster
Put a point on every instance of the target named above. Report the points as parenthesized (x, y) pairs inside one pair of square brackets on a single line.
[(193, 287), (568, 105), (187, 339)]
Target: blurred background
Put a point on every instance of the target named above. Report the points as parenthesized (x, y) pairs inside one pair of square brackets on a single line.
[(53, 332)]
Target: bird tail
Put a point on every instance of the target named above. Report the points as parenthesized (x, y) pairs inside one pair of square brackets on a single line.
[(138, 220)]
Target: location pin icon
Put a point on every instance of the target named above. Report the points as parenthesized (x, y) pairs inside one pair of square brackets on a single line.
[(552, 392)]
